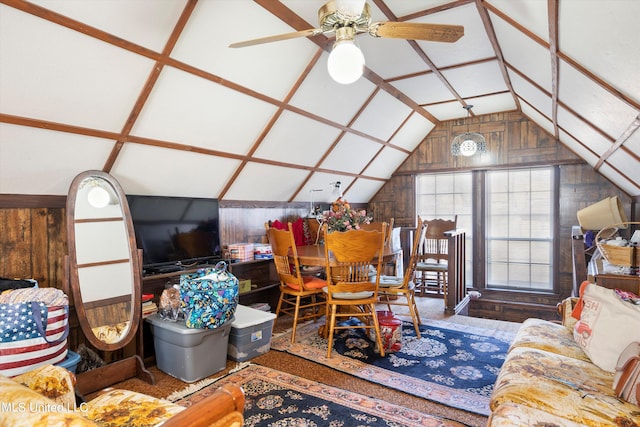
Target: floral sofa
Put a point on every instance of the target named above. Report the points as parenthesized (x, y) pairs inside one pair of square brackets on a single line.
[(46, 397), (548, 379)]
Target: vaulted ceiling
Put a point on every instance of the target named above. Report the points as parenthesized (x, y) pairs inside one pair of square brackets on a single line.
[(150, 91)]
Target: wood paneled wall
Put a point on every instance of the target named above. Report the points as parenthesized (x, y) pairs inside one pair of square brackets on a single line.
[(33, 244), (512, 141)]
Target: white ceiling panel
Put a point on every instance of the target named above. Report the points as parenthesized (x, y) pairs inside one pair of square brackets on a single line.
[(382, 116), (532, 14), (531, 94), (187, 109), (620, 180), (633, 142), (473, 46), (402, 8), (476, 79), (148, 23), (412, 133), (581, 131), (265, 182), (363, 190), (297, 139), (537, 118), (324, 188), (592, 102), (425, 88), (492, 103), (625, 164), (447, 110), (390, 57), (579, 149), (618, 52), (216, 24), (65, 77), (172, 172), (388, 159), (351, 155), (322, 96), (25, 154), (522, 53)]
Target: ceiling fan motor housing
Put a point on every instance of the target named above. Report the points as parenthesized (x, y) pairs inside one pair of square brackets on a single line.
[(330, 18)]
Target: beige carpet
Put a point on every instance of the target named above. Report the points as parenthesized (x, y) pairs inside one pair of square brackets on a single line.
[(431, 308)]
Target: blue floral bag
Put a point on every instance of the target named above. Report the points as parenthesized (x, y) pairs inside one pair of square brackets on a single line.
[(209, 297)]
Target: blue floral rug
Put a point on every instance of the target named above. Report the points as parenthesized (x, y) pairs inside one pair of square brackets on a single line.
[(452, 364), (278, 399)]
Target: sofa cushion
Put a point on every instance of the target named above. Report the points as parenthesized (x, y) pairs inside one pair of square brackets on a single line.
[(607, 326), (568, 388), (511, 414), (548, 336), (124, 407), (25, 407), (51, 381)]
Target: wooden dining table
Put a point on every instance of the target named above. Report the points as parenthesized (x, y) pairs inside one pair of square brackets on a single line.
[(315, 255)]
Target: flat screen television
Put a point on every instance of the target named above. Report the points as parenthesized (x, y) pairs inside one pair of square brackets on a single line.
[(173, 231)]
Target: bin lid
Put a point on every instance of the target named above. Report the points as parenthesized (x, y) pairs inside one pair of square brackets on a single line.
[(247, 316), (178, 327)]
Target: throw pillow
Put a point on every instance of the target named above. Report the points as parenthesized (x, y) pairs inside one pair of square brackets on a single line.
[(577, 310), (606, 327)]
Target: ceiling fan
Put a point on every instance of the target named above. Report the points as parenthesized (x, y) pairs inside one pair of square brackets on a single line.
[(345, 19)]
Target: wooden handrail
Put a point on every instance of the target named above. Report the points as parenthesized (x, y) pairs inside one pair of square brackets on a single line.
[(456, 299)]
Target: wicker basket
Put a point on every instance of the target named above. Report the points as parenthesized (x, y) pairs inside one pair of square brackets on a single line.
[(625, 256)]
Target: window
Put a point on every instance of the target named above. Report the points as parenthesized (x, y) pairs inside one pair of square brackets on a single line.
[(518, 232), (445, 195), (519, 227)]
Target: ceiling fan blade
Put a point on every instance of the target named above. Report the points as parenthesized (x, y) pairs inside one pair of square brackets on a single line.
[(417, 31), (279, 37)]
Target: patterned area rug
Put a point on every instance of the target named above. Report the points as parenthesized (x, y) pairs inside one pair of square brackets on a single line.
[(278, 399), (452, 364)]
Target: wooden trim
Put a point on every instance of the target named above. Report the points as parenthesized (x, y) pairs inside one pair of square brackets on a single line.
[(32, 201)]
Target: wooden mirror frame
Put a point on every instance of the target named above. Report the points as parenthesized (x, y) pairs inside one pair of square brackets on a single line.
[(135, 270)]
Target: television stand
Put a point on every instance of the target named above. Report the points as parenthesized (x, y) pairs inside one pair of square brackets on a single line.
[(163, 269), (265, 285)]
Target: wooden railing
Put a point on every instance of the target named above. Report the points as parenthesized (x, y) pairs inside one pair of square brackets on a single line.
[(456, 300)]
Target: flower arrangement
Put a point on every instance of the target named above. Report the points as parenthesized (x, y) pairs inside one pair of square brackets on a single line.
[(341, 217)]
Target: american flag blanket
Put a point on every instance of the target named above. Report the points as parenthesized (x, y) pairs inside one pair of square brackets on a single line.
[(32, 335)]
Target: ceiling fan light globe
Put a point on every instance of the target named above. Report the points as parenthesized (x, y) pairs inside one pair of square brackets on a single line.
[(346, 62)]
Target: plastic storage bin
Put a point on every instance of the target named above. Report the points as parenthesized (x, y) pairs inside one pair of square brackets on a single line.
[(250, 334), (186, 353), (70, 363)]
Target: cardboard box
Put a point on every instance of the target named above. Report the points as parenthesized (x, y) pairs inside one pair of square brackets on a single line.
[(186, 353), (244, 286), (250, 334)]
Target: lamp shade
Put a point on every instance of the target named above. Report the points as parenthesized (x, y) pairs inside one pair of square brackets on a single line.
[(346, 62), (467, 144), (98, 197)]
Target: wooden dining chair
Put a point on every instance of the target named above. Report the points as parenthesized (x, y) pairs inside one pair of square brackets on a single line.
[(393, 287), (432, 263), (351, 289), (300, 296)]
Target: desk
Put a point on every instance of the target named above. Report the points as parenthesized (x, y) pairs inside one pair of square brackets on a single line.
[(314, 255)]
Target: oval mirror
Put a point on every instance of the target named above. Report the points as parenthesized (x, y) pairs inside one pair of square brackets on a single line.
[(104, 266)]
